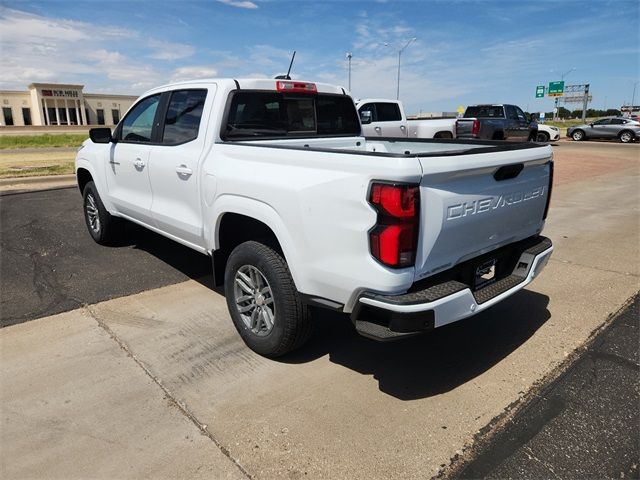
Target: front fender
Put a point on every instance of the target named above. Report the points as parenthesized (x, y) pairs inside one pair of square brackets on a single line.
[(98, 179)]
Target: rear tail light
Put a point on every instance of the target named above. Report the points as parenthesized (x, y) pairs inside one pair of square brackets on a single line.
[(295, 87), (475, 128), (393, 241), (546, 207)]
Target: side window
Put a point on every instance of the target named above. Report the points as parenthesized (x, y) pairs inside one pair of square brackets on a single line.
[(604, 121), (388, 112), (183, 116), (618, 121), (369, 107), (521, 116), (138, 124), (511, 112)]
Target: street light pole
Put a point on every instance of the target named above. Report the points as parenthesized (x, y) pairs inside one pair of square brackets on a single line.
[(555, 114), (633, 97), (349, 55), (399, 56)]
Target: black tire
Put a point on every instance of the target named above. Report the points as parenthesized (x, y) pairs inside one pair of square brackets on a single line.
[(107, 229), (578, 135), (291, 318), (543, 137), (626, 136)]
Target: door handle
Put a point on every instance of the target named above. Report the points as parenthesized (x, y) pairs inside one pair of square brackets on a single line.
[(184, 170), (377, 129), (402, 127), (139, 163)]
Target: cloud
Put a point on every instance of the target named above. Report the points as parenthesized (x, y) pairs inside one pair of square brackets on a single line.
[(164, 50), (193, 72), (38, 48), (240, 4)]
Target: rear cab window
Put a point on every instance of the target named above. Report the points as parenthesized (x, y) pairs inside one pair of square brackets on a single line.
[(266, 114), (484, 111)]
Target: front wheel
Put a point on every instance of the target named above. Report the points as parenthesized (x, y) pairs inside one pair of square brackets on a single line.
[(578, 135), (626, 136), (264, 304), (103, 227), (542, 137)]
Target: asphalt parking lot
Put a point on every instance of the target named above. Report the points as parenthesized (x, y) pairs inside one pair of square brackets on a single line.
[(128, 353)]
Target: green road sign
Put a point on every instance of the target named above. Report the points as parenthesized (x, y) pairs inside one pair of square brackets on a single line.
[(556, 89), (540, 91)]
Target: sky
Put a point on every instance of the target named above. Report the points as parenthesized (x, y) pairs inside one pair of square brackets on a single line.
[(465, 52)]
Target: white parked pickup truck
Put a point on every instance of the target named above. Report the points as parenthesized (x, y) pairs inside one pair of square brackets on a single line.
[(273, 180), (386, 118)]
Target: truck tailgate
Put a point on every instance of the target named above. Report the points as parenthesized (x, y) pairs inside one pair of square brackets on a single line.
[(464, 127), (473, 204)]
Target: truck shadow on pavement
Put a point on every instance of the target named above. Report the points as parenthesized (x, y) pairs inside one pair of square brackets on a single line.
[(436, 362), (408, 369)]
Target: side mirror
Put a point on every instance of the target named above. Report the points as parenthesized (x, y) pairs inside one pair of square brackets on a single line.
[(365, 117), (100, 135)]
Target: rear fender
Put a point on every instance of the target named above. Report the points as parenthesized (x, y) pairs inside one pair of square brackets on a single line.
[(259, 211)]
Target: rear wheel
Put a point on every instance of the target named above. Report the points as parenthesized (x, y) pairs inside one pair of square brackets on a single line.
[(264, 304), (543, 137), (103, 227), (626, 136), (578, 135)]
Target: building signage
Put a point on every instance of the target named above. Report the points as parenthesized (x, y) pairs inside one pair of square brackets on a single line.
[(60, 93)]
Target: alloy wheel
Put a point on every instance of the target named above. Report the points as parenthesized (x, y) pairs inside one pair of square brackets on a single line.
[(254, 300)]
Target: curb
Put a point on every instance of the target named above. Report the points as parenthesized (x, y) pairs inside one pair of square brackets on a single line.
[(38, 179)]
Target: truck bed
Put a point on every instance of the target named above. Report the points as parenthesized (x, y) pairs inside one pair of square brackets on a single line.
[(393, 147)]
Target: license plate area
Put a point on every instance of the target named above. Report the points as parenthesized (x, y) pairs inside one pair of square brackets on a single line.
[(485, 273)]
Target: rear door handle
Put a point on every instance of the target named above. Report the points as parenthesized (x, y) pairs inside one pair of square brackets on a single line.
[(377, 129), (184, 170), (139, 163)]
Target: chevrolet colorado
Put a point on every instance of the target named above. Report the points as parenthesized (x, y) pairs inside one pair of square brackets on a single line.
[(274, 181)]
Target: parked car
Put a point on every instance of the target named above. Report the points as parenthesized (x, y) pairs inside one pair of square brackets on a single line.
[(496, 122), (274, 181), (547, 133), (621, 128), (386, 118)]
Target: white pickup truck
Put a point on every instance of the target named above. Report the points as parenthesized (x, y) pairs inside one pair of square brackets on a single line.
[(273, 180), (386, 118)]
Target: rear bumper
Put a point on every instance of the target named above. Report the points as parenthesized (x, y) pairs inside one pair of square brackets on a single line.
[(388, 317)]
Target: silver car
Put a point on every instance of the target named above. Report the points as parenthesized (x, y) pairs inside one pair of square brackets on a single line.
[(621, 128)]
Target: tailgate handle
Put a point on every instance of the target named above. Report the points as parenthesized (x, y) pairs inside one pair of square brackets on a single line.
[(508, 171)]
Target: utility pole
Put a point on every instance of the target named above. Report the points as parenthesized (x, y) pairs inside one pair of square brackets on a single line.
[(585, 102), (399, 55), (349, 55), (555, 114), (633, 97)]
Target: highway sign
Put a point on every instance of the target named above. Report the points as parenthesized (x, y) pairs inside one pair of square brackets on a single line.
[(556, 89), (540, 91)]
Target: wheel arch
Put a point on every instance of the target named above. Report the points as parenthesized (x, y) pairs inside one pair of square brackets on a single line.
[(633, 134), (83, 176), (240, 219)]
